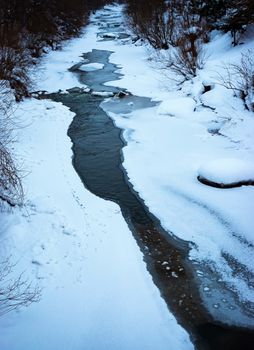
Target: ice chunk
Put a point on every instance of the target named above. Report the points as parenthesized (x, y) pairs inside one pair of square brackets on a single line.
[(90, 67)]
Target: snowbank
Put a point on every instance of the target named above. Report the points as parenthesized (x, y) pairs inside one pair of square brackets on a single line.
[(227, 173), (178, 107)]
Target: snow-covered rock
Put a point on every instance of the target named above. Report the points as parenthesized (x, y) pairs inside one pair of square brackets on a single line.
[(227, 172), (108, 35), (90, 67)]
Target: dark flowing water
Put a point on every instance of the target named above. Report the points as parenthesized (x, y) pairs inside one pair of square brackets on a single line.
[(97, 145)]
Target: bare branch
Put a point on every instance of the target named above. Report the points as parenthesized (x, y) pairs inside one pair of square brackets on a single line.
[(11, 190), (15, 291), (239, 77)]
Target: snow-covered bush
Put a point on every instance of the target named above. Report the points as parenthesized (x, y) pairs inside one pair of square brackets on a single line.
[(230, 16), (237, 15), (239, 77)]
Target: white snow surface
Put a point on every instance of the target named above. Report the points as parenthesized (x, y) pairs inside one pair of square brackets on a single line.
[(96, 291), (96, 287), (227, 171), (177, 107)]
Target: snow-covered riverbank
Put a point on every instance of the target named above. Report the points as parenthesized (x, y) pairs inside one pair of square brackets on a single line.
[(96, 290), (97, 293), (168, 144)]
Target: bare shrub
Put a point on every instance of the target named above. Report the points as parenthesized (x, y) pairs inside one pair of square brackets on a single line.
[(186, 58), (153, 21), (188, 55), (11, 190), (15, 291), (239, 77), (172, 25), (13, 68), (34, 43)]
